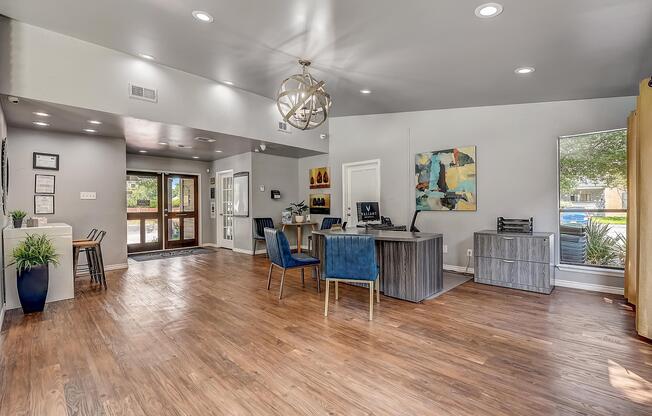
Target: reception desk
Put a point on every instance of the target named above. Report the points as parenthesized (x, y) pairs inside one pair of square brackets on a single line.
[(411, 264)]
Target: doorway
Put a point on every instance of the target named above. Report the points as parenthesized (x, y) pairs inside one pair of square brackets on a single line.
[(162, 211), (225, 230), (360, 183)]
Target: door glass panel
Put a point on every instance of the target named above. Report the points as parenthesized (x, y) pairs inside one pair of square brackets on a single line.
[(174, 229), (151, 231), (174, 195), (227, 208), (188, 228), (188, 204), (133, 232), (142, 193)]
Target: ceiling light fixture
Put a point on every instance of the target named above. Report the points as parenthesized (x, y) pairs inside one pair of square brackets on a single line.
[(90, 130), (142, 151), (41, 114), (195, 157), (302, 100), (145, 56), (96, 122), (228, 83), (524, 70), (218, 151), (162, 143), (202, 16), (365, 91), (40, 123), (488, 10)]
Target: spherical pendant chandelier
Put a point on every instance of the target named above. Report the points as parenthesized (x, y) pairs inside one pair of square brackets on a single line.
[(303, 101)]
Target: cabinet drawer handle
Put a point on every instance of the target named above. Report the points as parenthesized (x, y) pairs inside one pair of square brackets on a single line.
[(508, 261)]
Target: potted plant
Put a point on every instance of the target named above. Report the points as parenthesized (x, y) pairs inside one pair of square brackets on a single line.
[(297, 209), (32, 257), (17, 216)]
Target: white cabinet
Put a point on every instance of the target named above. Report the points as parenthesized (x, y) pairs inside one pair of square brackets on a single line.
[(61, 285)]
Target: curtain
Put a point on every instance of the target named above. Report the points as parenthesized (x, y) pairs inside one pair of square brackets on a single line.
[(643, 210), (631, 261)]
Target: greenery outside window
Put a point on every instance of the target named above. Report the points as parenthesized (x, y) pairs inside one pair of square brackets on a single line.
[(593, 199)]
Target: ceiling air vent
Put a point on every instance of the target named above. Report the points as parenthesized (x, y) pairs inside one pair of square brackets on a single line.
[(142, 93)]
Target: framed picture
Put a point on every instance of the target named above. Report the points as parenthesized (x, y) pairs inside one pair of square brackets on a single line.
[(320, 178), (320, 204), (43, 204), (45, 161), (44, 184)]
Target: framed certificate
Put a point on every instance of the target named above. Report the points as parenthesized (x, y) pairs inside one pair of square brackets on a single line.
[(43, 204), (45, 161), (44, 184)]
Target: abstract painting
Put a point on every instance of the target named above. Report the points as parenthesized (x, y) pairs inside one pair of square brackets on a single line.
[(320, 204), (320, 178), (446, 180)]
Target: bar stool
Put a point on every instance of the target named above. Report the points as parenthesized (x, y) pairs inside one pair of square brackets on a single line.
[(92, 247)]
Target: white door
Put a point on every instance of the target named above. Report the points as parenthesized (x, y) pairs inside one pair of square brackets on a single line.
[(360, 183), (225, 230)]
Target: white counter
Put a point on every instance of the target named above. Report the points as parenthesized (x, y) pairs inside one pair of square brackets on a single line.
[(61, 285)]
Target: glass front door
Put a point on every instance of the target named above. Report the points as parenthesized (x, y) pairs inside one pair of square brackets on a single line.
[(225, 220), (144, 231), (181, 212)]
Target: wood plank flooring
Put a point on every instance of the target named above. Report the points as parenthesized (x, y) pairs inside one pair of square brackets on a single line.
[(201, 335)]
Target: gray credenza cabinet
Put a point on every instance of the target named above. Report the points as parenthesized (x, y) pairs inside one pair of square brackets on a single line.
[(517, 261)]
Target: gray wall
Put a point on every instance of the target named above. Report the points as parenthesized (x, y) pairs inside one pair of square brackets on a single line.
[(171, 165), (86, 163), (516, 161)]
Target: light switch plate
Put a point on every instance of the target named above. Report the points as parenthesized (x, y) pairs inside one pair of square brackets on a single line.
[(262, 188), (87, 195)]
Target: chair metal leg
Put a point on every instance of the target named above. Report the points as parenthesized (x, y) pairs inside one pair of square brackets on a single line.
[(75, 260), (101, 265), (378, 290), (280, 292), (326, 298), (371, 300), (254, 244), (269, 275), (303, 280), (89, 264), (337, 291), (318, 280)]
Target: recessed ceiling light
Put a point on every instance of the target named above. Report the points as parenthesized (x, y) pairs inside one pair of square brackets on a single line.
[(96, 122), (524, 70), (195, 157), (41, 114), (90, 130), (365, 91), (218, 151), (228, 82), (162, 143), (142, 151), (202, 16), (40, 123), (487, 10), (145, 56)]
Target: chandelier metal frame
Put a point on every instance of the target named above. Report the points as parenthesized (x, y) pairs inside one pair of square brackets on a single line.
[(302, 100)]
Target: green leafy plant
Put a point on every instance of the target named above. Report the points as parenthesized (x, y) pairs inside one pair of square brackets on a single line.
[(601, 248), (298, 208), (35, 250), (17, 215)]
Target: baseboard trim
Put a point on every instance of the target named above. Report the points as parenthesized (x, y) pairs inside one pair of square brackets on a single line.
[(210, 245), (592, 287), (458, 269)]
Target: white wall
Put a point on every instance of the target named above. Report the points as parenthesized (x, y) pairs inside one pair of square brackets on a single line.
[(516, 162), (171, 165), (44, 65), (95, 164)]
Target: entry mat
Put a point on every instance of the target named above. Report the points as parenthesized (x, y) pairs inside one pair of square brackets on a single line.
[(170, 253)]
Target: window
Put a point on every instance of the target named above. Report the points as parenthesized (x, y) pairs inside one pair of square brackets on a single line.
[(593, 198)]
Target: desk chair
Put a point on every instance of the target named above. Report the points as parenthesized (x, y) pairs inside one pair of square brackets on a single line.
[(326, 224), (351, 259), (259, 230), (278, 250)]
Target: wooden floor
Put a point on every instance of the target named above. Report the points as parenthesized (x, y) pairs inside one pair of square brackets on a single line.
[(200, 335)]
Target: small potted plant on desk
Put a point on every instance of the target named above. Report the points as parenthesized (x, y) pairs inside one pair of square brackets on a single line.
[(32, 257), (17, 217), (298, 208)]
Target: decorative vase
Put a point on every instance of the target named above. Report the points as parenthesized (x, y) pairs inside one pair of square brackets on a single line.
[(18, 223), (298, 218), (32, 288)]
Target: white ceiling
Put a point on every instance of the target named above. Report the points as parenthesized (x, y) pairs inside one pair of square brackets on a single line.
[(413, 54), (139, 134)]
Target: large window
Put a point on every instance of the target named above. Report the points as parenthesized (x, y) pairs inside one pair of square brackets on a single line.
[(593, 199)]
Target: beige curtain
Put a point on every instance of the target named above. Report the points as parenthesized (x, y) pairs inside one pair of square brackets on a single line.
[(643, 209), (631, 261)]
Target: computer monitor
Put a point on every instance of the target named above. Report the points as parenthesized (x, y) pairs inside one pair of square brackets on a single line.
[(368, 211)]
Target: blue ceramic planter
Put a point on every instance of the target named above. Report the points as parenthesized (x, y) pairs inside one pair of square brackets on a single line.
[(33, 288)]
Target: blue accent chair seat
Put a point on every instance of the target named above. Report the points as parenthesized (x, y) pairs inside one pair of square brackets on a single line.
[(280, 255), (259, 230), (326, 224), (351, 259)]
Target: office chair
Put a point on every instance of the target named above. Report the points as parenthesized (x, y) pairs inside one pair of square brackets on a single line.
[(259, 230), (326, 224)]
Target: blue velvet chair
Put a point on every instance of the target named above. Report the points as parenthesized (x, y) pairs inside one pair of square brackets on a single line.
[(278, 250), (259, 230), (351, 259), (326, 224)]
